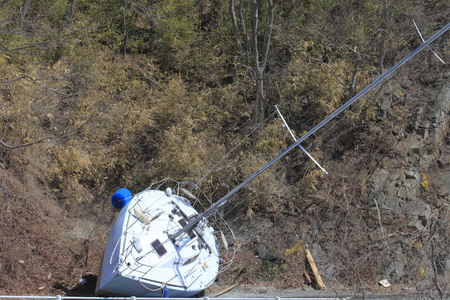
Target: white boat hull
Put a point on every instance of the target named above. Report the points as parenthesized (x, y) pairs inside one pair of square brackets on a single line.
[(141, 259)]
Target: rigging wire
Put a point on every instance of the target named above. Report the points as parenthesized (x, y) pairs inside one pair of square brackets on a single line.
[(339, 122), (284, 166)]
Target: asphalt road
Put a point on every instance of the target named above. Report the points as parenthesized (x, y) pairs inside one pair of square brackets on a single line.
[(260, 292)]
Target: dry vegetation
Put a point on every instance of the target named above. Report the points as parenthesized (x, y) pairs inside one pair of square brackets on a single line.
[(88, 106)]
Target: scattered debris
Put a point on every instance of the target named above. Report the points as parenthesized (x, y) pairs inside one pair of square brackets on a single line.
[(82, 281), (311, 265), (188, 194), (297, 247), (224, 240), (225, 290), (4, 194), (307, 277), (385, 283), (141, 216), (263, 290)]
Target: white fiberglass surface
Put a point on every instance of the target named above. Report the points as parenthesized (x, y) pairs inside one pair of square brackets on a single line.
[(148, 254)]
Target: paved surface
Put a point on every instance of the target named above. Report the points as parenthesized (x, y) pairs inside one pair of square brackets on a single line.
[(309, 293), (270, 292)]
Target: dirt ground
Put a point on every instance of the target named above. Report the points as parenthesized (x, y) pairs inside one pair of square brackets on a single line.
[(46, 246)]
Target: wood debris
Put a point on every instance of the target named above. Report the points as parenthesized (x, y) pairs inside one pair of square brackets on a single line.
[(314, 275)]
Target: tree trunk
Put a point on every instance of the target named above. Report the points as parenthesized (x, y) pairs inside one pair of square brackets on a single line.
[(384, 36), (260, 67), (352, 88), (248, 44), (260, 101), (69, 14), (240, 32), (235, 26), (25, 7)]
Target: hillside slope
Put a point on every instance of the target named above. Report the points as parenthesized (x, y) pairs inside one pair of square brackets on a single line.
[(92, 112), (398, 167)]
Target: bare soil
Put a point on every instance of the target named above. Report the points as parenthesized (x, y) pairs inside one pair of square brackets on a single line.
[(46, 245)]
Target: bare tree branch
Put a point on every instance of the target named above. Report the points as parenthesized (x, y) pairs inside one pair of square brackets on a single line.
[(27, 144), (69, 133), (260, 66), (235, 26), (25, 7), (268, 32), (26, 77), (69, 14), (35, 82)]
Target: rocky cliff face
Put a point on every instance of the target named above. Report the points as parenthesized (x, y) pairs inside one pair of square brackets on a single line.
[(417, 188)]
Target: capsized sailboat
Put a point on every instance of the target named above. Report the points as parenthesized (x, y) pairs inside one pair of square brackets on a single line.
[(143, 258), (160, 245)]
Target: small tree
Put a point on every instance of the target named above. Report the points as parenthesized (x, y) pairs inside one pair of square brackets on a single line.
[(256, 52)]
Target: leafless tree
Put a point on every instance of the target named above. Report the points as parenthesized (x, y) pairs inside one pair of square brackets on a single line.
[(256, 52)]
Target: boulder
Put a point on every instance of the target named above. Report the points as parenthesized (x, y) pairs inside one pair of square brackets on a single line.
[(264, 253), (397, 262), (419, 212)]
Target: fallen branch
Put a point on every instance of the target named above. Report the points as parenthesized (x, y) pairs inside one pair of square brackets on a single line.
[(225, 290), (307, 277), (27, 144), (314, 270)]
